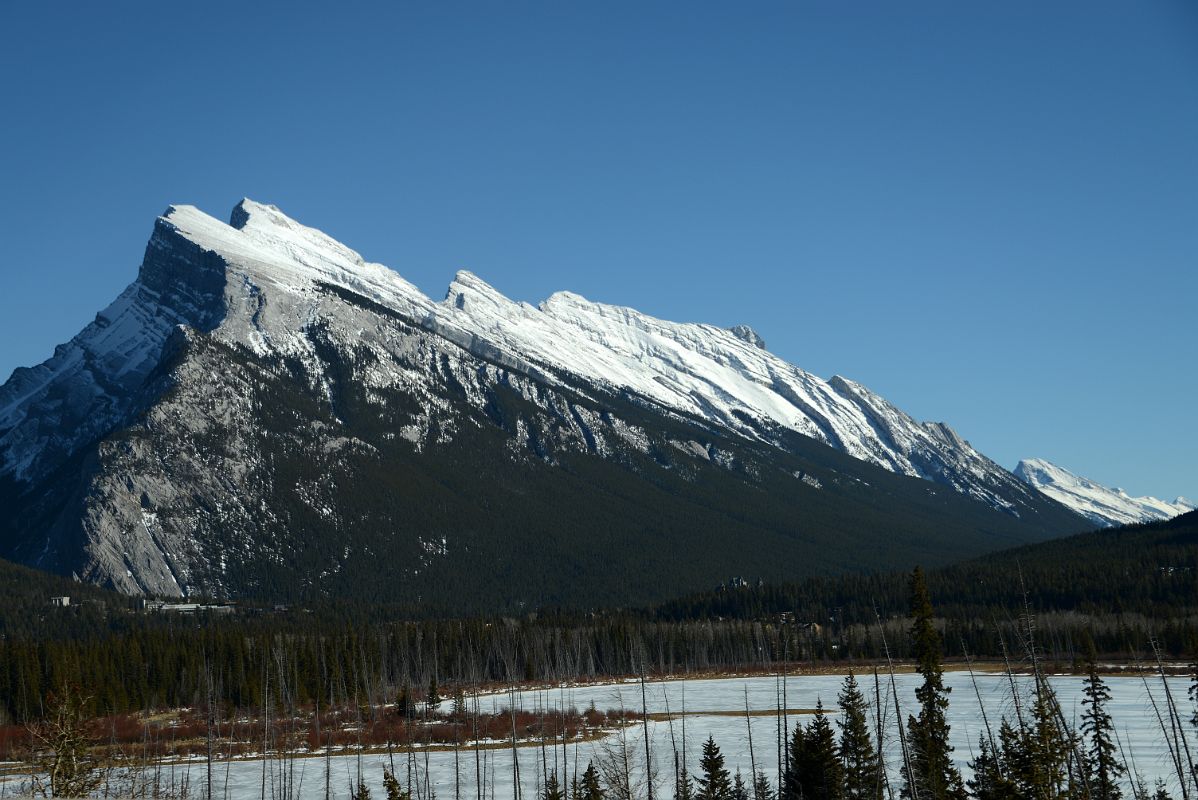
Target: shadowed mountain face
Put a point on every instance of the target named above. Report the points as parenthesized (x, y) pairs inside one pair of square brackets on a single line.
[(264, 413)]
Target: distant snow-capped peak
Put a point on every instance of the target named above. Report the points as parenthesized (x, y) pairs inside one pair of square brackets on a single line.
[(1100, 504)]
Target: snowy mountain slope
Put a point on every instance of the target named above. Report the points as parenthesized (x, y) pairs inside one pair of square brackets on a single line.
[(256, 373), (723, 376), (1100, 504)]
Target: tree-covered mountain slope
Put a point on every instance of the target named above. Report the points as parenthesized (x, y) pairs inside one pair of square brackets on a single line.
[(1148, 570)]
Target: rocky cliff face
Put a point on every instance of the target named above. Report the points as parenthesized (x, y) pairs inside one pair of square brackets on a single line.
[(262, 412)]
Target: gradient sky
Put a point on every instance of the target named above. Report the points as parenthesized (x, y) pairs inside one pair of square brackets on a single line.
[(988, 213)]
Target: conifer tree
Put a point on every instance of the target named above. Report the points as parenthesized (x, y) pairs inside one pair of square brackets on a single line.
[(403, 701), (821, 775), (553, 788), (932, 770), (860, 762), (684, 787), (715, 783), (433, 700), (1103, 767), (762, 790), (739, 790), (591, 788), (792, 779), (990, 781), (1014, 758), (393, 789), (1047, 748)]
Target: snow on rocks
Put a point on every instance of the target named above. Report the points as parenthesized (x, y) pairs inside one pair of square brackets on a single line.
[(1100, 504)]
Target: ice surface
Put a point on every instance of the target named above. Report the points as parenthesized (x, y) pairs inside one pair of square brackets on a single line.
[(1138, 730)]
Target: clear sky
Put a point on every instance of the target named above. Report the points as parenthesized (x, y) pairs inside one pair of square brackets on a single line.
[(987, 212)]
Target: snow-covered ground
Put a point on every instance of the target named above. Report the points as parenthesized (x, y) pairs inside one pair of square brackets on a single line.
[(1131, 707)]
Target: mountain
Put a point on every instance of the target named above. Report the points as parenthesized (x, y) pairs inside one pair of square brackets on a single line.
[(264, 413), (1100, 504)]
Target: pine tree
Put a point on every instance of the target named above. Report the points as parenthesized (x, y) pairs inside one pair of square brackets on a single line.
[(684, 787), (821, 775), (1103, 768), (857, 755), (739, 790), (932, 769), (1015, 759), (393, 789), (433, 700), (990, 781), (715, 783), (792, 779), (762, 790), (591, 788), (1048, 748), (553, 788), (403, 701)]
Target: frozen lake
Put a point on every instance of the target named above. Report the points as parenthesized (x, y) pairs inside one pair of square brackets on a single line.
[(1130, 706)]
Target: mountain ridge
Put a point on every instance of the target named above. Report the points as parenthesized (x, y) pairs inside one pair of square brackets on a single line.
[(1102, 505), (155, 445)]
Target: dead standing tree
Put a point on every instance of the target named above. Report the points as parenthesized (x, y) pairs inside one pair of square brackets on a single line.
[(63, 760)]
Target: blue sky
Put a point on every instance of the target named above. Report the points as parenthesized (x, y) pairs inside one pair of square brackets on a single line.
[(988, 213)]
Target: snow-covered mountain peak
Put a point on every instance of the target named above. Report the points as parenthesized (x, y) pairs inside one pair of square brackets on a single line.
[(1100, 504), (747, 334), (265, 213), (265, 245), (267, 282), (466, 287)]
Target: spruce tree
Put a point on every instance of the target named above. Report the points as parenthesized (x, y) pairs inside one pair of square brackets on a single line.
[(1047, 748), (591, 788), (821, 775), (792, 778), (553, 788), (739, 790), (403, 701), (932, 771), (393, 789), (990, 781), (715, 783), (857, 755), (433, 700), (684, 787), (1014, 758), (1161, 793), (1103, 768), (762, 790)]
